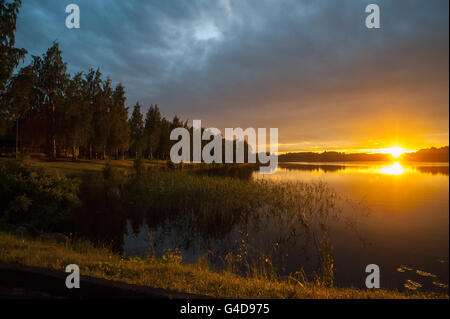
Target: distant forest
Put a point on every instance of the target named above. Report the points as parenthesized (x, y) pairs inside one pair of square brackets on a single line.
[(425, 155)]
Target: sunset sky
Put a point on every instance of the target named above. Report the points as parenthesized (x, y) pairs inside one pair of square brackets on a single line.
[(310, 68)]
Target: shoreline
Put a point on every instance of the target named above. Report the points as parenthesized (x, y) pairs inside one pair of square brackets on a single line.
[(154, 278)]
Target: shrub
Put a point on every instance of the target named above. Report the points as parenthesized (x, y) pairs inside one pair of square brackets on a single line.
[(35, 196)]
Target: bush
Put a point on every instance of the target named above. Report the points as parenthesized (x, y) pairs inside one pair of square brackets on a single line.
[(35, 196)]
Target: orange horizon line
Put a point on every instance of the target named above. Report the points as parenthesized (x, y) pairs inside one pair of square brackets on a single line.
[(356, 151)]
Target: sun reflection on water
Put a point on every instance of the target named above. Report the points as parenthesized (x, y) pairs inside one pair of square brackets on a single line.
[(394, 169)]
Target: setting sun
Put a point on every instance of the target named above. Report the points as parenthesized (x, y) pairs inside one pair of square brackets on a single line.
[(395, 151)]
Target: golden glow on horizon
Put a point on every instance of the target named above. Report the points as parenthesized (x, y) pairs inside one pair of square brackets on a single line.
[(395, 151)]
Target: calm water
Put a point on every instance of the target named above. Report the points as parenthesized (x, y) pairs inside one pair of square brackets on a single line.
[(394, 215)]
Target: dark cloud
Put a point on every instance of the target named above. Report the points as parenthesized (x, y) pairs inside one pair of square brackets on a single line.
[(311, 68)]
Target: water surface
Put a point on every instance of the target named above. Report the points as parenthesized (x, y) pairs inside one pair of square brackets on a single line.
[(406, 223), (395, 215)]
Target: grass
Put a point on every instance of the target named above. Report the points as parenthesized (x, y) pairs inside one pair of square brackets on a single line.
[(217, 204), (70, 167), (169, 273)]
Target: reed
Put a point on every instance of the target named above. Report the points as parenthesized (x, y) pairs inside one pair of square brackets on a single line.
[(171, 274)]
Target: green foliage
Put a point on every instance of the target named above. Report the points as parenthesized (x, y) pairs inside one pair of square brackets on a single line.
[(120, 129), (19, 93), (153, 130), (48, 97), (77, 115), (164, 139), (137, 136), (83, 115), (9, 55), (102, 118), (35, 196)]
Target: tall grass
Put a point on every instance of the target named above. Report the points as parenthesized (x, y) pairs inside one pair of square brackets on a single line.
[(205, 206), (169, 273), (212, 207)]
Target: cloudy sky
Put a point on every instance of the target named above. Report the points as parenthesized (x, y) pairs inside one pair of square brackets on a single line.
[(309, 67)]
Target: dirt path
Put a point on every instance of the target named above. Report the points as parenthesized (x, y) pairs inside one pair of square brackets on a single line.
[(22, 282)]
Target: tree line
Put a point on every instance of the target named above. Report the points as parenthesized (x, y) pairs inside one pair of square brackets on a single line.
[(44, 108), (425, 155)]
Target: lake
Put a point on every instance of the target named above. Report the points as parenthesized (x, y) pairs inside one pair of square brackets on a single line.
[(395, 215)]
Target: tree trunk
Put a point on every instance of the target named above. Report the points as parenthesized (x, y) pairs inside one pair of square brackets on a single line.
[(53, 133), (17, 138), (74, 153), (53, 147)]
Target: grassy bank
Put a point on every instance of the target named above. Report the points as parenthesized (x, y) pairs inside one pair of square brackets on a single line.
[(70, 167), (96, 199), (169, 273)]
